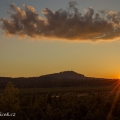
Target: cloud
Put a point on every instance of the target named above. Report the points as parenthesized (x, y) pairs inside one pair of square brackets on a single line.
[(67, 24)]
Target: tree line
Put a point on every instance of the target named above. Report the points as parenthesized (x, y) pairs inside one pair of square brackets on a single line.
[(47, 82)]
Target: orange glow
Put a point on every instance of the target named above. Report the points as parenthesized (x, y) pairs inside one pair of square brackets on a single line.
[(116, 90)]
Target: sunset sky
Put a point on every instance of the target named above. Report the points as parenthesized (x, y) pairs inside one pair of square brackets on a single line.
[(47, 36)]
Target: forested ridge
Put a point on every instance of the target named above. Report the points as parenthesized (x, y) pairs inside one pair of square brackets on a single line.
[(62, 79)]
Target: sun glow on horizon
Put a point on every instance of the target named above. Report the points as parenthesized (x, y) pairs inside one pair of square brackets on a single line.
[(115, 90)]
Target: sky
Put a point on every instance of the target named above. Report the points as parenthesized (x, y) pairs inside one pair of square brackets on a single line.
[(40, 37)]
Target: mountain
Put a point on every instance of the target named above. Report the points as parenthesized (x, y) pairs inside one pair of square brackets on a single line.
[(65, 75), (61, 79)]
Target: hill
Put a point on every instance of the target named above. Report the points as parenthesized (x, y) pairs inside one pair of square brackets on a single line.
[(61, 79), (65, 75)]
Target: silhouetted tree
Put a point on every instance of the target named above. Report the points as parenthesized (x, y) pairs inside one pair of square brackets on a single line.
[(11, 98)]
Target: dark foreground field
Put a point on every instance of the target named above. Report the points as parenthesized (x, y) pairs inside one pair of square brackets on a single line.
[(65, 103)]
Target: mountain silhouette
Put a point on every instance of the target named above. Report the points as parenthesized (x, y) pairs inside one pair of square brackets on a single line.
[(61, 79), (65, 75)]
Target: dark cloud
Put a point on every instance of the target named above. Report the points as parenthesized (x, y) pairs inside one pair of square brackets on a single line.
[(62, 24)]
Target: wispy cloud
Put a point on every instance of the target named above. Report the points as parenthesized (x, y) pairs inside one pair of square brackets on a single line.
[(67, 24)]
